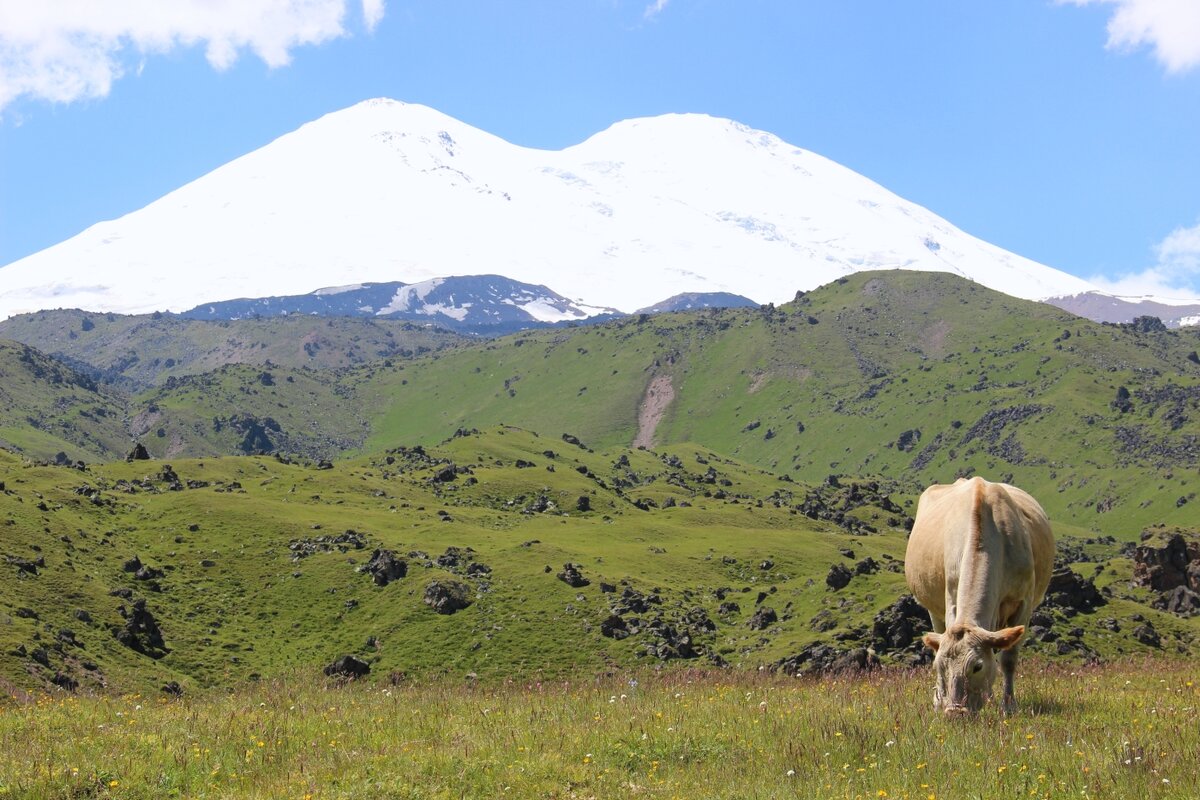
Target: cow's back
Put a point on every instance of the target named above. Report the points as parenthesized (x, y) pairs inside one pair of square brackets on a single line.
[(949, 515)]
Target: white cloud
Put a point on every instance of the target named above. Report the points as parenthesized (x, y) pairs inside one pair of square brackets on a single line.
[(1175, 276), (66, 50), (1170, 27), (654, 8), (372, 12)]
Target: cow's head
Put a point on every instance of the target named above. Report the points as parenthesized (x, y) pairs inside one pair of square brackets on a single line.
[(965, 666)]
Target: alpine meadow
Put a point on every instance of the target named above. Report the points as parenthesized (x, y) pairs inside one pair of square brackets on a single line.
[(622, 400)]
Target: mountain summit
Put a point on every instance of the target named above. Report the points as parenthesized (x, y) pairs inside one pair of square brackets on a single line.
[(388, 191)]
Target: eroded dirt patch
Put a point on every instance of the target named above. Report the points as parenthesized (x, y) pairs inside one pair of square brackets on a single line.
[(658, 397)]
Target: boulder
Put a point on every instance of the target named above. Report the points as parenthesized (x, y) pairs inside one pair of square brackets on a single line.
[(839, 577), (384, 567), (1181, 601), (1163, 568), (138, 453), (572, 576), (763, 618), (867, 566), (614, 627), (1146, 634), (447, 597), (818, 658), (900, 626), (141, 632), (1068, 590), (348, 667)]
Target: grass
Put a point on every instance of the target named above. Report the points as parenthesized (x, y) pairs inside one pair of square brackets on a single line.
[(1095, 732)]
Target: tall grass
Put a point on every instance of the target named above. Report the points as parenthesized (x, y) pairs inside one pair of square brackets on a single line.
[(1124, 731)]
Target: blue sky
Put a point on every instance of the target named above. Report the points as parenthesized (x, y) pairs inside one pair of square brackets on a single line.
[(1068, 132)]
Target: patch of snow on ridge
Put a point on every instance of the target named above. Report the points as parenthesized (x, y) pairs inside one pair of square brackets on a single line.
[(546, 309), (1187, 322), (353, 287), (454, 312), (408, 298)]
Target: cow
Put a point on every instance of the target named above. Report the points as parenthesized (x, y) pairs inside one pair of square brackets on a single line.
[(979, 560)]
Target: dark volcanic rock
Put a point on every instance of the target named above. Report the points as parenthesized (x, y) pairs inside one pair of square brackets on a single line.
[(138, 453), (572, 576), (763, 618), (819, 658), (1164, 568), (1070, 591), (384, 567), (1180, 600), (614, 627), (446, 597), (1146, 634), (900, 626), (348, 667), (141, 632), (839, 577), (172, 688), (867, 566)]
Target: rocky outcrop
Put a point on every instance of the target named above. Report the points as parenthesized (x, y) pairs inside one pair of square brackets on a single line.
[(818, 658), (898, 628), (572, 576), (348, 667), (1162, 568), (1071, 592), (839, 577), (140, 631), (447, 597), (384, 567)]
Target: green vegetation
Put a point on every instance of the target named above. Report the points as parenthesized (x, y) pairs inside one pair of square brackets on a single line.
[(915, 377), (1106, 733), (252, 565), (140, 351)]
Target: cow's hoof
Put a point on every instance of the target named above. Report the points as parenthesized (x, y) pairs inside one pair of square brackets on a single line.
[(1009, 705)]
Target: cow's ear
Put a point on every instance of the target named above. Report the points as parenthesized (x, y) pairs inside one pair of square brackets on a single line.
[(1006, 637), (932, 641)]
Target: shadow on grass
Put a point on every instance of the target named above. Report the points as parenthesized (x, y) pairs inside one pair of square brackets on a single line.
[(1038, 705)]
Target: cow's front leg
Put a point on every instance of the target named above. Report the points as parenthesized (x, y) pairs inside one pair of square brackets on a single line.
[(1008, 665)]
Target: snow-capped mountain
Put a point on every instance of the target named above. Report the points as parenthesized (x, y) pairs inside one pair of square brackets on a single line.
[(489, 303), (386, 191)]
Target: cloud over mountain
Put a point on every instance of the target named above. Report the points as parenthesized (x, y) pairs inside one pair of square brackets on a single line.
[(67, 50)]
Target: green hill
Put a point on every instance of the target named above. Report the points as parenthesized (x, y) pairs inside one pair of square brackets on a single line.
[(912, 377), (249, 566), (47, 408), (136, 352)]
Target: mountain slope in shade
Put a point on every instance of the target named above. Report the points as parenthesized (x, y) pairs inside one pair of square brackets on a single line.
[(1106, 308), (690, 301), (386, 191), (479, 303)]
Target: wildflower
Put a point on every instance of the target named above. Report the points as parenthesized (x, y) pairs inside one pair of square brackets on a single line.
[(113, 784), (791, 773)]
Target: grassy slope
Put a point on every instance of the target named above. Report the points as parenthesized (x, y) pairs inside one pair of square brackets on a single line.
[(888, 353), (146, 350), (255, 611), (46, 408)]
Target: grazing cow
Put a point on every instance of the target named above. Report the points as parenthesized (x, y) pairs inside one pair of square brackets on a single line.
[(979, 561)]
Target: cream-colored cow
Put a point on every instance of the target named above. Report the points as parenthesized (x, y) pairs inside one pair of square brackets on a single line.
[(979, 561)]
